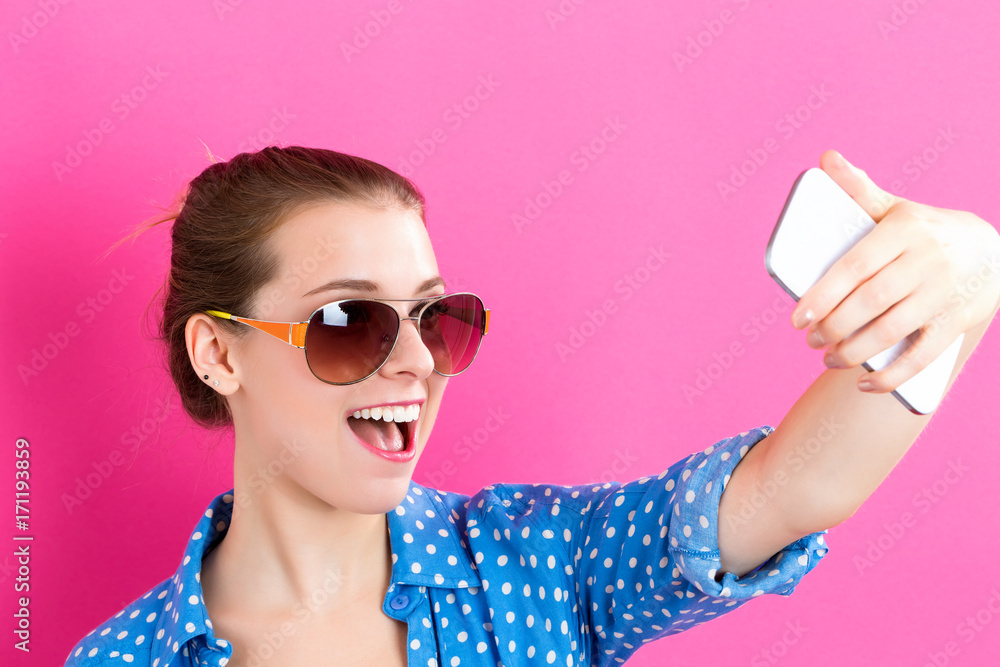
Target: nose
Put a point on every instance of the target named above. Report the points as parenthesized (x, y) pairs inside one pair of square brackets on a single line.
[(410, 353)]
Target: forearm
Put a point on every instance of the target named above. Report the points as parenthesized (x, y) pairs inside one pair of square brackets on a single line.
[(827, 456)]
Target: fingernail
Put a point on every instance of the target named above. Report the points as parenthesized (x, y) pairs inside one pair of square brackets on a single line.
[(803, 317), (814, 338), (865, 385), (829, 360)]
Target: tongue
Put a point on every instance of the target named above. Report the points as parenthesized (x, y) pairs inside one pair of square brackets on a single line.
[(378, 433)]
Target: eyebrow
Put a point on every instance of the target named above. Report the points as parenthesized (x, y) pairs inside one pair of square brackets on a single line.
[(359, 285)]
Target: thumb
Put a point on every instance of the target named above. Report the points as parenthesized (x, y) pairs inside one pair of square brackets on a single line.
[(856, 183)]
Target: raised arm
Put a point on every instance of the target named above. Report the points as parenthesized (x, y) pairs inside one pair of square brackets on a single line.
[(920, 268)]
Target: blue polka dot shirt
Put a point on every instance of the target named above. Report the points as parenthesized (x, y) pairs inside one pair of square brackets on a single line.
[(527, 574)]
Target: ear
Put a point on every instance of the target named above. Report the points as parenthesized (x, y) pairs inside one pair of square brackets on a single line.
[(209, 353), (856, 183)]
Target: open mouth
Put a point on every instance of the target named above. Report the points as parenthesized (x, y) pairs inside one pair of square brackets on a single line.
[(395, 435)]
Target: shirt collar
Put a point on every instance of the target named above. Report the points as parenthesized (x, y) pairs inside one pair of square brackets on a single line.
[(184, 614), (425, 534)]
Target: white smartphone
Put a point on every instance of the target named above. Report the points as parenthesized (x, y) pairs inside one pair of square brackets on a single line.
[(818, 225)]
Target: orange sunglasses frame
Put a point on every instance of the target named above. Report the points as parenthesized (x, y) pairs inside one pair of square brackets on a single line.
[(294, 333)]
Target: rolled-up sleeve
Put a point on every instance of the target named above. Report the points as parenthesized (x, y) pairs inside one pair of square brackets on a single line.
[(641, 556), (649, 552)]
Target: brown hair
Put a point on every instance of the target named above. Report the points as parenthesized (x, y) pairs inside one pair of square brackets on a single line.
[(220, 257)]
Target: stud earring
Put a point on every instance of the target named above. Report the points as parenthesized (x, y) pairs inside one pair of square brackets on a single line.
[(216, 383), (206, 377)]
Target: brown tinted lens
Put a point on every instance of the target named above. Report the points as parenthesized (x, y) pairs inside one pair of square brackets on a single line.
[(349, 340), (452, 329)]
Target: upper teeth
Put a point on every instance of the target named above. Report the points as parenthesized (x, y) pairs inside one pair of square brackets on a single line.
[(389, 413)]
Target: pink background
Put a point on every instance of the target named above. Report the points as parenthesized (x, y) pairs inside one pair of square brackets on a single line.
[(240, 75)]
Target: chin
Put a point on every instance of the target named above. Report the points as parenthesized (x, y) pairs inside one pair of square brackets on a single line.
[(372, 496)]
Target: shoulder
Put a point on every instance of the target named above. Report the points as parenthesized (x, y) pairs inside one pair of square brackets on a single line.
[(127, 636)]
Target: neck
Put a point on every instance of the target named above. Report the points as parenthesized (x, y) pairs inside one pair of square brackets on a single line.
[(286, 548)]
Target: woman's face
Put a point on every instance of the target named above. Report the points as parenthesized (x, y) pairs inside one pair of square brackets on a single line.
[(287, 420)]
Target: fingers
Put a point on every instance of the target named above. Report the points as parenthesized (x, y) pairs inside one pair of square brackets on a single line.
[(915, 312), (856, 183), (870, 255), (928, 346), (874, 298)]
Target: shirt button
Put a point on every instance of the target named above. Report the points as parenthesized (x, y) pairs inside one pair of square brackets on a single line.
[(399, 602)]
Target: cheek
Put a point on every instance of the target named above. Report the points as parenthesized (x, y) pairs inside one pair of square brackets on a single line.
[(436, 385), (280, 385)]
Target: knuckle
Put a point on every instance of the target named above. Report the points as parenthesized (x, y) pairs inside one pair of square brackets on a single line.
[(876, 297), (889, 331), (829, 331), (858, 266)]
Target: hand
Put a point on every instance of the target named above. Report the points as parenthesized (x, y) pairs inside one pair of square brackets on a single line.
[(920, 268)]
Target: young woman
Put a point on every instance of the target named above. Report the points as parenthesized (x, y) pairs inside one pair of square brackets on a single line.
[(304, 307)]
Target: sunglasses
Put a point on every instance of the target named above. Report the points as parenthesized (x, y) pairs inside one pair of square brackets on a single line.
[(348, 341)]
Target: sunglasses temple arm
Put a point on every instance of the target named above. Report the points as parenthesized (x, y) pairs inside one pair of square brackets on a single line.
[(293, 333)]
